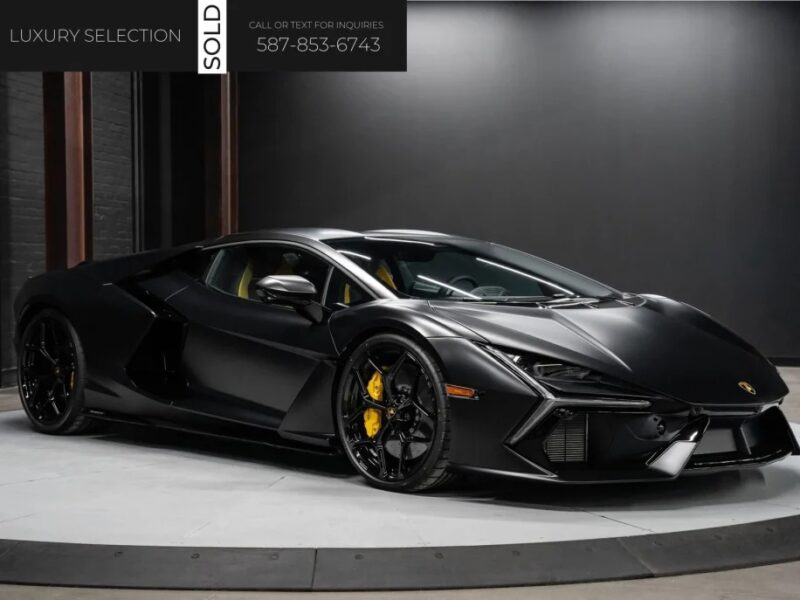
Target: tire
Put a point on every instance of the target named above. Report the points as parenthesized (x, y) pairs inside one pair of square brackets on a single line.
[(51, 374), (408, 451)]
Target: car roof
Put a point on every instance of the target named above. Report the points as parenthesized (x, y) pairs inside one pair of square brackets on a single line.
[(322, 234), (316, 237)]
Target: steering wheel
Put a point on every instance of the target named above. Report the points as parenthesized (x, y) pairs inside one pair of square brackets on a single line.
[(457, 279)]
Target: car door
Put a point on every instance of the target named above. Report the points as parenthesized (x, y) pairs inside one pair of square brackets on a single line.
[(244, 359)]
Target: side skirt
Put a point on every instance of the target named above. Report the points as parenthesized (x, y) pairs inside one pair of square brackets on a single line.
[(227, 432)]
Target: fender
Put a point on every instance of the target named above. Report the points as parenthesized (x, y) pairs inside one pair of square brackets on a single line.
[(414, 317)]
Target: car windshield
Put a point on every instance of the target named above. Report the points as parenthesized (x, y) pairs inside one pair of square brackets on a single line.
[(465, 270)]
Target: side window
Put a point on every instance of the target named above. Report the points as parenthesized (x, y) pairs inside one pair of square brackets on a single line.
[(194, 263), (344, 292), (236, 269)]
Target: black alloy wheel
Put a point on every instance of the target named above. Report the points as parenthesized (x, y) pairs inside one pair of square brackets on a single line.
[(51, 373), (392, 415)]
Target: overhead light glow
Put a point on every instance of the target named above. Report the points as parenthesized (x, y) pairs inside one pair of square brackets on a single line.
[(383, 239), (446, 285), (524, 274), (356, 255)]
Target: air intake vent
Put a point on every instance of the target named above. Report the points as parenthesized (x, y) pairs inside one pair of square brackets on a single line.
[(567, 442)]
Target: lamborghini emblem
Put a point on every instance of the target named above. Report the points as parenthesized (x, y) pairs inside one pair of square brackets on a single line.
[(747, 388)]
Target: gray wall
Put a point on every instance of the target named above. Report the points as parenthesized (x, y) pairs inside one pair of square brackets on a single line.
[(653, 146), (21, 198)]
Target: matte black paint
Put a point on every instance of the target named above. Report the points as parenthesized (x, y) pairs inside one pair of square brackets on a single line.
[(657, 341), (164, 349)]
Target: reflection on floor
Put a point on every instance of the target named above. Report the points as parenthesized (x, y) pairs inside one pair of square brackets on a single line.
[(103, 488), (9, 399), (775, 582)]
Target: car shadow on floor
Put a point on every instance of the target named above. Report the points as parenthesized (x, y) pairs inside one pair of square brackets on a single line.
[(777, 483), (198, 444), (311, 462), (781, 485)]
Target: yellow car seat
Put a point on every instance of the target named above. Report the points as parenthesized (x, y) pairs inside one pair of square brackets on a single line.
[(243, 290), (382, 273)]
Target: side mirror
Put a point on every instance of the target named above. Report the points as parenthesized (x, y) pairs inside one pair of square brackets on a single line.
[(291, 290)]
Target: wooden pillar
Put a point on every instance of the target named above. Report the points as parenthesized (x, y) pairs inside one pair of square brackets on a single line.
[(229, 154), (68, 168), (78, 161)]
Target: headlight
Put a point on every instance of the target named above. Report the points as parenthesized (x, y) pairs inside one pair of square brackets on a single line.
[(564, 379)]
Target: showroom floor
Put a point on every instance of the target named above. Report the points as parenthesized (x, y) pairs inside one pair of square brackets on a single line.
[(100, 489), (41, 490)]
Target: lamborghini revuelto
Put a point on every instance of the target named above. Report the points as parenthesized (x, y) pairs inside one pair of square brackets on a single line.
[(415, 354)]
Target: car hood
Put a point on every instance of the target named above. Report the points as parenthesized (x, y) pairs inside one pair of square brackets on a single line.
[(655, 343)]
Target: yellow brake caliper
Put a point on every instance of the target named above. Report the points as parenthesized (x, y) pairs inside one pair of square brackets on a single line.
[(372, 416)]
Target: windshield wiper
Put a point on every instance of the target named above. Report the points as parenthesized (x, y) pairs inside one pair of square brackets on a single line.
[(573, 300), (552, 301), (590, 301), (504, 299)]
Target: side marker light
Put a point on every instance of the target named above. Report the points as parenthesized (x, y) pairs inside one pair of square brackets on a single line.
[(461, 392)]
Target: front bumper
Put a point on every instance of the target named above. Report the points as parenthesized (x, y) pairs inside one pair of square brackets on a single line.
[(586, 445), (587, 440)]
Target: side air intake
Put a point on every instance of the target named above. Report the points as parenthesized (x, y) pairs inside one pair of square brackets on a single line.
[(567, 442)]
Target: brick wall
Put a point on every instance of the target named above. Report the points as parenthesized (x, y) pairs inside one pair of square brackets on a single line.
[(22, 243), (112, 167), (21, 198)]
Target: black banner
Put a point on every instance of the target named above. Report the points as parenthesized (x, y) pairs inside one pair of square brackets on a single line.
[(209, 36), (358, 36)]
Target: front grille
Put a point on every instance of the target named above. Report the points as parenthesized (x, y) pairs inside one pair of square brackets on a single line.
[(567, 442), (735, 440)]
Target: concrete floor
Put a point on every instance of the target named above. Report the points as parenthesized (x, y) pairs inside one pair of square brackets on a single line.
[(9, 399), (112, 487), (769, 582)]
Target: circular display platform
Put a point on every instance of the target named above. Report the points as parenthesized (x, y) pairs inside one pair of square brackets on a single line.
[(145, 508)]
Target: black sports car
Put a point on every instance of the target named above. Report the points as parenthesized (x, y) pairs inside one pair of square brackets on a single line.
[(416, 354)]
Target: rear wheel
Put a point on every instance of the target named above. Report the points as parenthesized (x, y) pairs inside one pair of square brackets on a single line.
[(51, 372), (392, 415)]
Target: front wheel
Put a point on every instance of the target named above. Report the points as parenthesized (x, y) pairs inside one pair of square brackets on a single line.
[(392, 415), (51, 373)]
